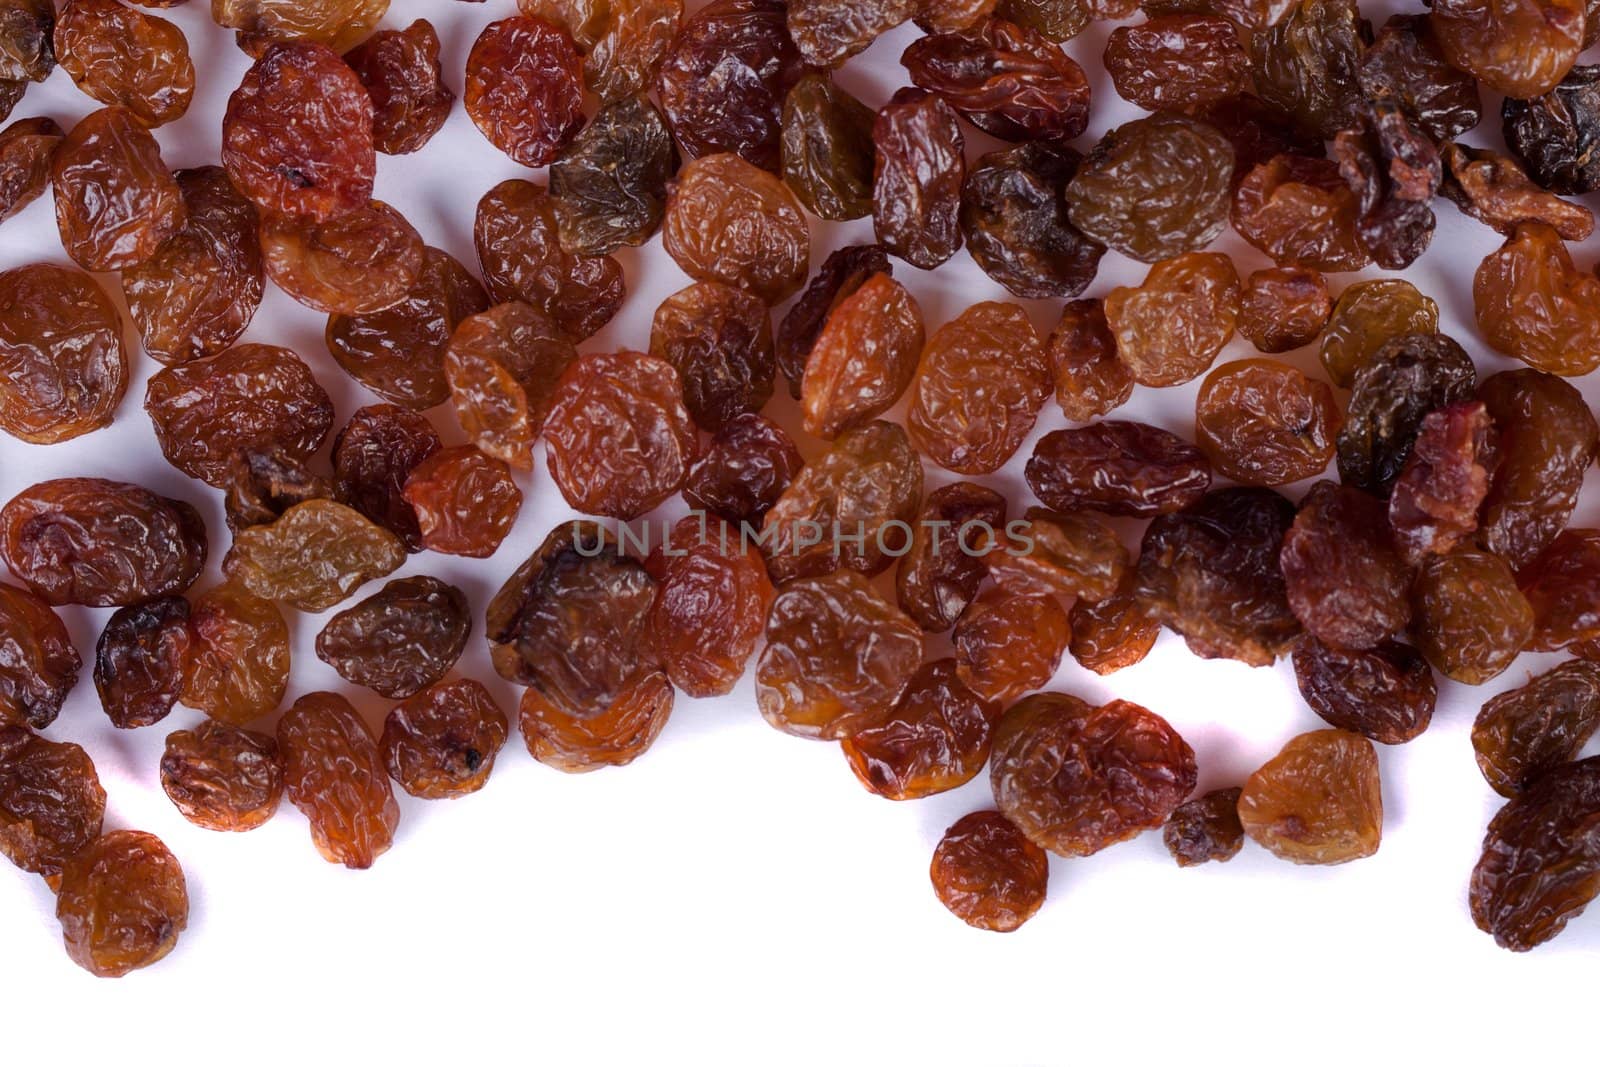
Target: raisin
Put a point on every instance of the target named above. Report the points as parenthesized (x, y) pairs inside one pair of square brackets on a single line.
[(238, 666), (263, 484), (728, 221), (40, 665), (1522, 48), (1300, 212), (711, 604), (115, 200), (937, 16), (410, 100), (744, 470), (465, 502), (827, 32), (1497, 192), (517, 237), (614, 737), (1056, 20), (120, 55), (221, 777), (623, 41), (312, 556), (1522, 734), (988, 873), (365, 260), (198, 291), (837, 658), (724, 78), (26, 52), (1261, 422), (869, 481), (1248, 15), (1009, 643), (1548, 439), (26, 147), (1406, 64), (51, 803), (1385, 692), (1405, 379), (1170, 328), (101, 543), (1154, 188), (1119, 468), (943, 566), (610, 184), (1563, 586), (1112, 632), (1077, 779), (373, 456), (502, 367), (842, 273), (441, 743), (1308, 64), (917, 175), (719, 339), (334, 773), (1436, 499), (524, 88), (1177, 61), (1284, 308), (935, 739), (1090, 380), (336, 23), (1541, 863), (1047, 552), (1257, 130), (210, 412), (140, 660), (1470, 621), (1394, 172), (1317, 801), (573, 624), (398, 352), (297, 134), (827, 149), (401, 639), (1366, 315), (63, 367), (1211, 574), (1016, 226), (978, 389), (122, 903), (1206, 829), (619, 440), (1533, 303)]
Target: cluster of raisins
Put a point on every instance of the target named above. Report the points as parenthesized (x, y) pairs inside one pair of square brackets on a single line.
[(1441, 546)]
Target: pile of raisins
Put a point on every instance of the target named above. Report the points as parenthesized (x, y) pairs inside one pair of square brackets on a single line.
[(1352, 496)]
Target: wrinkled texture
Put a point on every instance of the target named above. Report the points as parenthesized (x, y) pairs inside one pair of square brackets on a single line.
[(120, 55), (373, 456), (26, 147), (1307, 64), (1261, 422), (365, 260), (1524, 733), (944, 564), (1368, 314), (1470, 621), (51, 803), (711, 605), (1118, 468), (842, 273), (263, 484), (827, 149), (502, 367), (1016, 226), (719, 340), (524, 88), (1394, 171), (1386, 692), (115, 200), (1498, 193), (917, 175), (743, 471), (728, 221), (238, 667), (1404, 380), (442, 743), (935, 739), (988, 873), (1435, 502), (63, 367), (140, 659), (26, 53), (1533, 303), (1113, 632), (1045, 552), (221, 777), (1563, 586), (1205, 829), (614, 737), (410, 100), (1317, 801), (401, 639), (1090, 380), (1170, 328), (122, 903), (827, 32), (335, 774), (623, 41), (1522, 48), (336, 23), (1300, 212), (465, 502), (1008, 644), (1284, 308), (1405, 64), (1177, 61), (610, 184), (38, 663), (313, 555)]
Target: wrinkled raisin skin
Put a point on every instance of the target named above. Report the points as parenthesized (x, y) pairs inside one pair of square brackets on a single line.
[(1205, 829), (442, 743), (399, 640), (1318, 801), (122, 904), (1386, 693), (334, 773), (1522, 734), (988, 873), (222, 777), (140, 659)]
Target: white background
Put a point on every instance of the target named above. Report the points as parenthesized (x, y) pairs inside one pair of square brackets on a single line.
[(735, 896)]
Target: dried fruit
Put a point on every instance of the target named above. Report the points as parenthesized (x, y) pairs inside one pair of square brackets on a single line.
[(503, 366), (51, 803), (122, 903), (743, 472), (728, 221), (827, 149), (38, 664), (140, 661), (238, 666), (1077, 779), (1470, 621), (1394, 170), (711, 605), (978, 389), (1366, 315), (1119, 468), (1385, 692), (442, 742), (221, 777), (251, 398), (988, 873), (1563, 586), (313, 556), (1009, 643), (115, 200), (1403, 381), (198, 291), (26, 53), (1016, 226), (828, 32), (1205, 829), (120, 55), (935, 739), (610, 184), (623, 41), (837, 657), (917, 176), (465, 502), (1048, 552), (1534, 304), (63, 368), (373, 456), (1177, 61), (410, 100), (1170, 328), (1090, 380), (1284, 308), (524, 90), (1154, 188), (1405, 64), (336, 23), (1307, 64), (363, 261), (944, 564), (938, 17), (1437, 497), (101, 543), (1300, 211), (1112, 632), (26, 147), (399, 640), (842, 273), (1261, 422), (1318, 801), (1210, 573), (613, 737), (335, 775), (1521, 48), (1522, 734), (719, 339), (1497, 192), (262, 485)]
